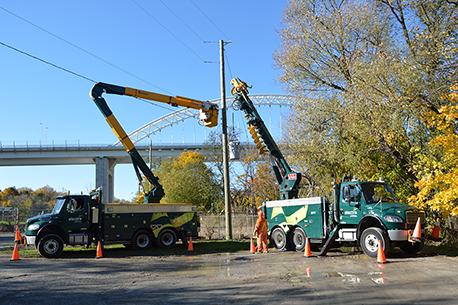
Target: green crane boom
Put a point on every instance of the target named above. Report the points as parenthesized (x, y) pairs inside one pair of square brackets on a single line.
[(287, 178)]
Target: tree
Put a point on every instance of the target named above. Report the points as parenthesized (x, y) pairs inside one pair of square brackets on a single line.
[(438, 186), (186, 179), (367, 75)]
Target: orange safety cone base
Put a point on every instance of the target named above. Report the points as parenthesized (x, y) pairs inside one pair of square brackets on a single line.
[(15, 256), (307, 251), (190, 245), (381, 259), (99, 252), (252, 246)]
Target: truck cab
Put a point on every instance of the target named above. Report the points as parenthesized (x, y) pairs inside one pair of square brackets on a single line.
[(369, 211), (67, 223)]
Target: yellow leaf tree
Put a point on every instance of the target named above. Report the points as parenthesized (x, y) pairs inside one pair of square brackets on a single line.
[(438, 186)]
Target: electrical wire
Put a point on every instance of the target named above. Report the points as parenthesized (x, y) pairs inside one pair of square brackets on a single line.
[(68, 70), (83, 49), (182, 21), (148, 13), (208, 18), (47, 62)]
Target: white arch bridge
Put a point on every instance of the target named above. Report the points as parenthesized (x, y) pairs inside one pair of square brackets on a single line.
[(183, 114)]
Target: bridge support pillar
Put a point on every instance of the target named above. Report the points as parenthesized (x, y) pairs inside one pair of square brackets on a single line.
[(104, 177)]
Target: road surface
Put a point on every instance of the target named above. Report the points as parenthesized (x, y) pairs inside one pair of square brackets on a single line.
[(223, 278)]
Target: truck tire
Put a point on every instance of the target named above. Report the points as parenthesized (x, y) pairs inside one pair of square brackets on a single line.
[(142, 240), (51, 246), (369, 241), (167, 238), (280, 239), (410, 248), (299, 239)]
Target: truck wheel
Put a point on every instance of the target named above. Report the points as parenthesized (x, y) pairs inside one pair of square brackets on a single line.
[(369, 241), (410, 248), (299, 239), (51, 246), (142, 240), (167, 238), (279, 239)]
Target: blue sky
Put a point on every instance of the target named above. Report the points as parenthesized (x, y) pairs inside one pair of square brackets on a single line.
[(40, 103)]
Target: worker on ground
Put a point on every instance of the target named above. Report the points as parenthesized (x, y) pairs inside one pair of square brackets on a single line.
[(260, 231)]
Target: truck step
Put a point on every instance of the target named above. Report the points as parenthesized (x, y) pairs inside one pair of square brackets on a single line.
[(329, 242)]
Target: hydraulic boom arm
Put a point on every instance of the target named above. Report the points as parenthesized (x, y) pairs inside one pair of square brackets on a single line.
[(287, 179), (208, 116)]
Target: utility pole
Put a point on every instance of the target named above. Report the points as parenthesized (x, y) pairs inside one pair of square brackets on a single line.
[(225, 144)]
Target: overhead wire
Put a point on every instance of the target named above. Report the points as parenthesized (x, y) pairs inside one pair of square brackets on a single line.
[(208, 18), (47, 62), (182, 21), (67, 70), (83, 49), (148, 13)]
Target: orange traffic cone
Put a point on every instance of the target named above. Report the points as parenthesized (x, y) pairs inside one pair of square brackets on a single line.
[(417, 232), (252, 246), (17, 235), (15, 256), (435, 234), (307, 251), (381, 259), (99, 252), (190, 245)]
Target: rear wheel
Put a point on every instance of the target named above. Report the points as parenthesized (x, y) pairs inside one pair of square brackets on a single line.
[(369, 241), (167, 238), (51, 246), (279, 239), (299, 239), (142, 240)]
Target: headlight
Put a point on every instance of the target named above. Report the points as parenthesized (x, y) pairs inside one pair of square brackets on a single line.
[(393, 218), (33, 227)]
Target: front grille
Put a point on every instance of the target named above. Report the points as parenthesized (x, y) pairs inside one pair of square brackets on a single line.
[(412, 217)]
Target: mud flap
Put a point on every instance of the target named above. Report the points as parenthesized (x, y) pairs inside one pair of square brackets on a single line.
[(330, 241)]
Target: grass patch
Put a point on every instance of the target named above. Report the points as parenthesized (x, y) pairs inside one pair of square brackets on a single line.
[(119, 251)]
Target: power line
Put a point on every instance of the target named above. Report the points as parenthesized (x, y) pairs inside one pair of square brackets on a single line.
[(68, 71), (228, 65), (209, 19), (82, 49), (47, 62), (169, 31), (182, 21)]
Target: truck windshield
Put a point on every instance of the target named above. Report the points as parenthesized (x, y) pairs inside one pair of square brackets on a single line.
[(377, 192), (59, 203)]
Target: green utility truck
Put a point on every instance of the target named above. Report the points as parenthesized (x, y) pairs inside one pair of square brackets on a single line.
[(362, 213), (84, 220)]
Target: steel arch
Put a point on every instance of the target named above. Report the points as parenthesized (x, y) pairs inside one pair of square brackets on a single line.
[(180, 115)]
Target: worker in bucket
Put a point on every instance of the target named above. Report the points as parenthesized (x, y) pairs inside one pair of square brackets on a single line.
[(260, 231)]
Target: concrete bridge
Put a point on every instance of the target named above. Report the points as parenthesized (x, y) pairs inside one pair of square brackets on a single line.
[(103, 157)]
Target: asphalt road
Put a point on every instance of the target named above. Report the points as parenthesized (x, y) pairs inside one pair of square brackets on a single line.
[(280, 278)]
